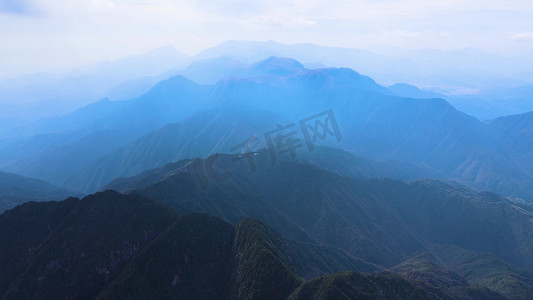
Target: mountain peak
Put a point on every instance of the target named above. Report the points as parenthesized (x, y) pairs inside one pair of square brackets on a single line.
[(278, 66), (177, 82)]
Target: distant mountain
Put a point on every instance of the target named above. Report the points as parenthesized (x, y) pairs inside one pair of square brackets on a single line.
[(374, 124), (62, 93), (210, 71), (410, 91), (60, 148), (202, 134), (59, 163), (510, 101), (428, 131), (136, 87), (174, 96), (55, 94), (277, 66), (57, 142), (496, 102), (379, 126), (15, 190), (218, 131), (478, 70)]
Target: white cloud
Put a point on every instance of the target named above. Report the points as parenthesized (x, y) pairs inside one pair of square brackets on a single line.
[(74, 32), (521, 36)]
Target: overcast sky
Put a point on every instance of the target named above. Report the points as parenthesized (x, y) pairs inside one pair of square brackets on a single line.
[(51, 35)]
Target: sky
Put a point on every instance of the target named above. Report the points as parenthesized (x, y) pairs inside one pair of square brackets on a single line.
[(55, 35)]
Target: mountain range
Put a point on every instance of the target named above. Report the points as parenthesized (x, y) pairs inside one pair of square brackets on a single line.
[(423, 239), (425, 131), (240, 177), (472, 86), (111, 246), (476, 234)]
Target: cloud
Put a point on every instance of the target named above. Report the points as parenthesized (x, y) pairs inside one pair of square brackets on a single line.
[(84, 31), (16, 7), (521, 36)]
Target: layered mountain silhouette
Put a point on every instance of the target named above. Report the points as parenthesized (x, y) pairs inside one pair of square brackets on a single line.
[(258, 173), (375, 124), (220, 131), (426, 66)]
